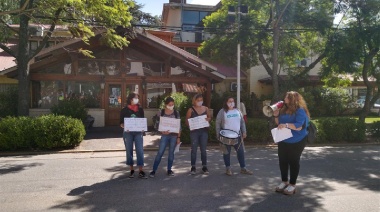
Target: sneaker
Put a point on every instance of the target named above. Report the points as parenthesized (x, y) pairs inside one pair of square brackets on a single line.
[(280, 188), (132, 174), (142, 175), (228, 172), (290, 190), (170, 173), (246, 171), (152, 173), (193, 170), (205, 170)]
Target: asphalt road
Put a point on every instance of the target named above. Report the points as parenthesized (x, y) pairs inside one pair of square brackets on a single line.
[(331, 179)]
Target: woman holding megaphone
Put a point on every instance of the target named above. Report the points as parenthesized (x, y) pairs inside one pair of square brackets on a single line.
[(294, 115)]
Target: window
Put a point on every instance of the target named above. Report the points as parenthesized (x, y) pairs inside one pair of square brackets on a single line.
[(156, 92), (191, 19)]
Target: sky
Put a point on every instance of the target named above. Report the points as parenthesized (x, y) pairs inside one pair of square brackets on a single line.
[(154, 7)]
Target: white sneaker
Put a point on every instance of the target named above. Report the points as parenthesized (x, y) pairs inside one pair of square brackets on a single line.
[(281, 187)]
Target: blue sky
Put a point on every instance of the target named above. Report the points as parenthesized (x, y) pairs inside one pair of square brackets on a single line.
[(154, 7)]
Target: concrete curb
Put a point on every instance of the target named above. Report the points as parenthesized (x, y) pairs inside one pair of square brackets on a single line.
[(213, 147)]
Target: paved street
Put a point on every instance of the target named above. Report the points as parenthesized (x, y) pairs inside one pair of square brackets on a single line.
[(331, 179)]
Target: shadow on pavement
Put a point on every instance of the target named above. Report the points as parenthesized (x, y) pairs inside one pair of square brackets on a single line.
[(10, 169), (217, 192)]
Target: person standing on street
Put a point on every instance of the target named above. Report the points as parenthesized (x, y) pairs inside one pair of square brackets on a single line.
[(167, 138), (295, 116), (198, 137), (133, 110), (230, 118)]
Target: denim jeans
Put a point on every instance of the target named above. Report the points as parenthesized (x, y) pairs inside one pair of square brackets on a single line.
[(239, 148), (165, 140), (137, 138), (199, 138)]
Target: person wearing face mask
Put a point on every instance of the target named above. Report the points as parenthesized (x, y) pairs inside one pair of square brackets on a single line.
[(295, 116), (167, 138), (230, 118), (133, 110), (198, 137)]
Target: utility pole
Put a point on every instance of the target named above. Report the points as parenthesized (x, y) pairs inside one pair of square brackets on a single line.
[(241, 10), (238, 59)]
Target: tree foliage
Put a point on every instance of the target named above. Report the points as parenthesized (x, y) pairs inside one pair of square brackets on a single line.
[(274, 32), (355, 49)]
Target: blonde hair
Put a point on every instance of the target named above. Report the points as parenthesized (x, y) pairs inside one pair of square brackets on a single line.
[(295, 101)]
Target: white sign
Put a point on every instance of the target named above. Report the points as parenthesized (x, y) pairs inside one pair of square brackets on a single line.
[(169, 124), (198, 122), (135, 124), (281, 134)]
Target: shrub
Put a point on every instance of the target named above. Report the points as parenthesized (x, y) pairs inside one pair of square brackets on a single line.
[(45, 132), (258, 130), (16, 133), (374, 129), (68, 132), (70, 107), (8, 102), (340, 129)]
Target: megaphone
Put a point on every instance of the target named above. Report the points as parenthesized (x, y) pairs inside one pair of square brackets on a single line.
[(268, 110)]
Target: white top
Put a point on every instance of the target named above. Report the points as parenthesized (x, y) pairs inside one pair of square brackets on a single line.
[(232, 120)]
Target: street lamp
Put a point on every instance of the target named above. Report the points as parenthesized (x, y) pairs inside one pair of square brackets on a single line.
[(241, 10)]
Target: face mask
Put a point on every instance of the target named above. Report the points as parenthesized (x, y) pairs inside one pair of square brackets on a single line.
[(170, 107), (231, 104), (199, 103), (135, 101)]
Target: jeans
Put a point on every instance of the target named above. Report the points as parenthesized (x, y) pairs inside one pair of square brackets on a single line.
[(165, 140), (199, 138), (289, 155), (239, 148), (137, 138)]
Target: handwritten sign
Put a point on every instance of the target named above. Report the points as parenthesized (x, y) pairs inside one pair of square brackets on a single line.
[(135, 124), (169, 124), (198, 122)]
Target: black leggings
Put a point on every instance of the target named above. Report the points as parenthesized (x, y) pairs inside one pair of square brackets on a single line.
[(289, 155)]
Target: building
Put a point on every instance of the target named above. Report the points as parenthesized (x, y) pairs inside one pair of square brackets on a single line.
[(149, 66)]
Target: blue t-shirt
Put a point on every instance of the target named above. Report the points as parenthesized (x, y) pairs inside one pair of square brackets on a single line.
[(298, 119)]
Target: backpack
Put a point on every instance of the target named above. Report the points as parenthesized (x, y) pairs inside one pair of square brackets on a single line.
[(313, 131)]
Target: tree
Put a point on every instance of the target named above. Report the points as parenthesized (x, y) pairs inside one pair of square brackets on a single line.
[(83, 18), (355, 49), (275, 32)]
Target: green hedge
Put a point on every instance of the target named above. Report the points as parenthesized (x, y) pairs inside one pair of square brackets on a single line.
[(374, 129), (336, 129), (44, 132), (339, 129)]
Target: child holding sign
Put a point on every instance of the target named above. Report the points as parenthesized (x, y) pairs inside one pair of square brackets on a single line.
[(168, 137)]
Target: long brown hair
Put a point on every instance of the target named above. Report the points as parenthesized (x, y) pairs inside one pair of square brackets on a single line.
[(295, 101)]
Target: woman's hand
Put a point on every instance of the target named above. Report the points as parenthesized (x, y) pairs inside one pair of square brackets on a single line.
[(178, 140), (276, 112), (122, 125), (280, 126), (208, 119), (244, 135)]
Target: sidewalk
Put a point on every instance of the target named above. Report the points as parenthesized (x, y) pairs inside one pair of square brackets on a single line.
[(111, 139)]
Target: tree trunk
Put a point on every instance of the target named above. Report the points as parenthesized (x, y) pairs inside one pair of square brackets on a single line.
[(23, 66)]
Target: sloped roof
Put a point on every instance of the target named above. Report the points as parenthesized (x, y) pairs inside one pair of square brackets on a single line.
[(6, 61)]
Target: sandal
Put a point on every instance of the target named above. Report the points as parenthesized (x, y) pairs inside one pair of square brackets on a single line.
[(290, 190)]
